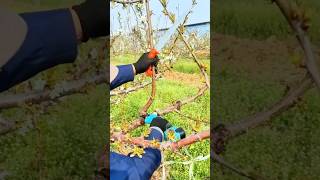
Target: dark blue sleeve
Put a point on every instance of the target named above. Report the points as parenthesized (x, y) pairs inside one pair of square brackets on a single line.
[(124, 75), (134, 168), (50, 40)]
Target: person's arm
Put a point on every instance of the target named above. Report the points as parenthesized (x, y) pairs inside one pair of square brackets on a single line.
[(125, 167), (120, 75), (50, 41), (125, 73), (52, 38)]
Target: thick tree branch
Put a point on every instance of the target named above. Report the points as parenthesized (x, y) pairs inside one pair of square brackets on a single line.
[(143, 111), (140, 141), (261, 117), (222, 133), (35, 97)]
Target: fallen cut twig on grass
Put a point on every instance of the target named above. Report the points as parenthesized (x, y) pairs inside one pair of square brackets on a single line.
[(61, 90)]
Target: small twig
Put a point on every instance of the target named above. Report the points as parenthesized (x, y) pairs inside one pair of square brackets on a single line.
[(191, 118), (129, 90), (221, 161)]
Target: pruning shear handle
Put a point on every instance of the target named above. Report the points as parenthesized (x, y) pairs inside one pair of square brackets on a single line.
[(152, 54)]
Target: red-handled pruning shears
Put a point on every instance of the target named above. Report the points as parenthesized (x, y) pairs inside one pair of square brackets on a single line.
[(152, 54), (165, 38)]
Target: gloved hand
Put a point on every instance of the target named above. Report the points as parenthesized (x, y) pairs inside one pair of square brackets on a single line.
[(161, 123), (156, 121), (144, 62), (93, 18)]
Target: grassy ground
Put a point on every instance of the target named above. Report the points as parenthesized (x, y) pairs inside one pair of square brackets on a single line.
[(72, 132), (249, 76), (259, 19), (171, 87)]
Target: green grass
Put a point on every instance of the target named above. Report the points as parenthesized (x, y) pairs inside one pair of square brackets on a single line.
[(167, 93), (259, 19), (72, 133)]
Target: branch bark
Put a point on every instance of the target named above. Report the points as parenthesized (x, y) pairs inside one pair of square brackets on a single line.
[(143, 111), (140, 141), (222, 133), (129, 90), (35, 97), (283, 105)]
